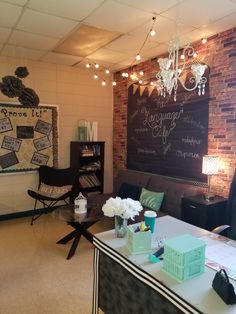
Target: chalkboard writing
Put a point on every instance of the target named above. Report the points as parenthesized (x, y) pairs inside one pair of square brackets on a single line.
[(166, 137), (25, 131)]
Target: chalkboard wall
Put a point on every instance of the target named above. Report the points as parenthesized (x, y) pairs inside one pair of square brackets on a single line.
[(167, 137)]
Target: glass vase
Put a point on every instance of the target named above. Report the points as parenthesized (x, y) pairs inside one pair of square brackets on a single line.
[(120, 227)]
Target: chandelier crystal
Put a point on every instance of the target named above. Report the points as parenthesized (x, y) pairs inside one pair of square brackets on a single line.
[(172, 72)]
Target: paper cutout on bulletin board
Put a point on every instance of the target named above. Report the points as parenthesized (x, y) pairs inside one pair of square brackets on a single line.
[(28, 137)]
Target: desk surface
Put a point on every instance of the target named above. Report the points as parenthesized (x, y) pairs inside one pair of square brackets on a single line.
[(196, 291)]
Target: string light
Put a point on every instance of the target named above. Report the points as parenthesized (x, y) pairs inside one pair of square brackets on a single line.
[(88, 65), (104, 83), (152, 32), (114, 83), (204, 40), (138, 57), (97, 65), (95, 76), (107, 71)]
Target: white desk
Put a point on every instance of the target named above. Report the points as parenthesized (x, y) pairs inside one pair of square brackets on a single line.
[(192, 296)]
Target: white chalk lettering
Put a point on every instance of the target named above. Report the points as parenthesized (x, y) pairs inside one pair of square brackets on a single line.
[(191, 141)]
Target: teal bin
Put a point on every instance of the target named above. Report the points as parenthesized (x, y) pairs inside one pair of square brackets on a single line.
[(138, 242), (184, 257)]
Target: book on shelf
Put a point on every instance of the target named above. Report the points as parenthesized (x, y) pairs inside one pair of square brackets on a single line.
[(90, 150), (92, 166), (87, 181)]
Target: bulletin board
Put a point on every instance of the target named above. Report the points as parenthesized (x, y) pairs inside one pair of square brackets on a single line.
[(28, 137)]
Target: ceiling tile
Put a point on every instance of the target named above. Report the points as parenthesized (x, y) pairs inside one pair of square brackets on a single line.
[(155, 51), (104, 54), (85, 41), (9, 14), (32, 41), (72, 9), (126, 43), (151, 6), (4, 33), (103, 64), (60, 58), (220, 25), (117, 17), (201, 13), (17, 2), (19, 52), (165, 30), (45, 24)]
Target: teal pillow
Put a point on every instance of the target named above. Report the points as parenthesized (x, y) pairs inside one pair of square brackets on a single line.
[(150, 199)]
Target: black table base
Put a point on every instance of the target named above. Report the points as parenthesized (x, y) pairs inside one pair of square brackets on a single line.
[(80, 230)]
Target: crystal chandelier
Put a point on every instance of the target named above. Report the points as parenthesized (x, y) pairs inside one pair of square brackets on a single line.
[(172, 72)]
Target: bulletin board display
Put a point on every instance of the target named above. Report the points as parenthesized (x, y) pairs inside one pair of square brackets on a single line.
[(28, 137)]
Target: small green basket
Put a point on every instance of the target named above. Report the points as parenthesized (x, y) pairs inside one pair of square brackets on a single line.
[(138, 242)]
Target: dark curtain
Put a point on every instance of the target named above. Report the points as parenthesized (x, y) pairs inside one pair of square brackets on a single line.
[(231, 209)]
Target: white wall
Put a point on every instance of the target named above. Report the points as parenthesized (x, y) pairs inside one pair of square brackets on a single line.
[(78, 96)]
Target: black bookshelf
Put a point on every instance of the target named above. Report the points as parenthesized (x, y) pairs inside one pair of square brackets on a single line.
[(88, 160)]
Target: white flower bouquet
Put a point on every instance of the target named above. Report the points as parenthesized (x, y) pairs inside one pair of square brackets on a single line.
[(126, 208)]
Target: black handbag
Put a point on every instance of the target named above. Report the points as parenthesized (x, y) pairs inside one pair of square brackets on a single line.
[(223, 287)]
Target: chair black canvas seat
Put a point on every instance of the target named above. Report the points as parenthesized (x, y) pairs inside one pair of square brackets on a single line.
[(55, 186)]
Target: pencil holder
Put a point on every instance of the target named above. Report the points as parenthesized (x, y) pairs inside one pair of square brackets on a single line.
[(138, 242)]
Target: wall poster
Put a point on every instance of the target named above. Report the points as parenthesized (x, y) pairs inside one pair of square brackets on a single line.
[(28, 137), (166, 137)]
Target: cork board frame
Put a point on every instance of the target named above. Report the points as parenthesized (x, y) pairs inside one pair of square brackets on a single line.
[(28, 137)]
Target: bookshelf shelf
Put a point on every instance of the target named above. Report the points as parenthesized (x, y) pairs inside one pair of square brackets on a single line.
[(88, 160)]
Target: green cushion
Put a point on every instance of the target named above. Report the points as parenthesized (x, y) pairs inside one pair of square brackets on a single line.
[(150, 199)]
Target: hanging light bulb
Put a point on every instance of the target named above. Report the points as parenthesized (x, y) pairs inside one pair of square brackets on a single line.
[(182, 57), (138, 57), (152, 32), (96, 65), (151, 83), (95, 76), (104, 83), (88, 65), (204, 40), (195, 55), (107, 71), (140, 81), (114, 83), (141, 73)]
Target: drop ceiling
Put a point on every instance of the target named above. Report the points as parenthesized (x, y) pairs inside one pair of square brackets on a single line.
[(108, 32)]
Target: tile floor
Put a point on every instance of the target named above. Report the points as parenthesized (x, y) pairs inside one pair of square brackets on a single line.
[(35, 276)]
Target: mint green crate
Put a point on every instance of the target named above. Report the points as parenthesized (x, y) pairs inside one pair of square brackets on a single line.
[(184, 257), (184, 249), (138, 242), (186, 272)]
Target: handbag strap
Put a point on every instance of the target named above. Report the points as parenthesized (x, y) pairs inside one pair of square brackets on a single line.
[(226, 276)]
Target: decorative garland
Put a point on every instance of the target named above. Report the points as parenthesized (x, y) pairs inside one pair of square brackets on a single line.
[(12, 86)]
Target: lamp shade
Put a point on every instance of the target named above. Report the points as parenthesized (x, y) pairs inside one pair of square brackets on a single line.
[(210, 164)]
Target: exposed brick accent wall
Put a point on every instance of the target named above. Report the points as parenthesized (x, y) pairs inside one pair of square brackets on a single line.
[(220, 53)]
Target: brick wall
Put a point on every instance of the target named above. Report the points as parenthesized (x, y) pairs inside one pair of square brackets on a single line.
[(220, 53)]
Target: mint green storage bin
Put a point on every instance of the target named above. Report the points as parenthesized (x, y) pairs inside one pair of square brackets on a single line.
[(184, 257), (138, 242)]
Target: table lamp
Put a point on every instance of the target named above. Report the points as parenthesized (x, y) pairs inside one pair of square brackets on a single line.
[(209, 167)]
